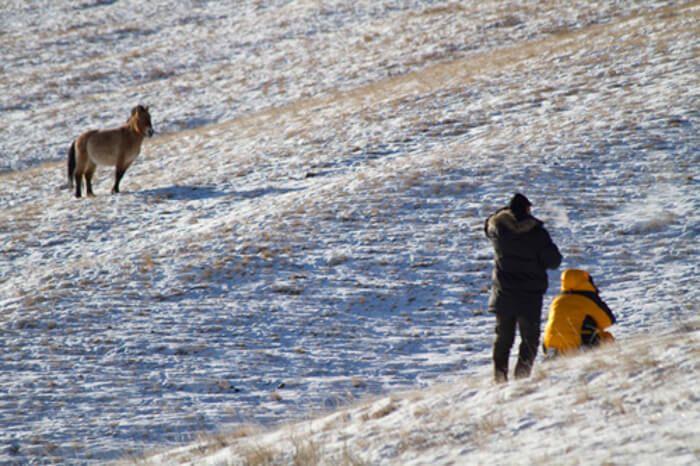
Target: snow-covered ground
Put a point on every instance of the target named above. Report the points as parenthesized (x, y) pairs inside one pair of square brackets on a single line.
[(626, 404), (306, 228)]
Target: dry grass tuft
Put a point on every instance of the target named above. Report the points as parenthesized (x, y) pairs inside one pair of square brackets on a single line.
[(538, 375), (148, 263), (491, 423), (385, 410), (421, 411), (689, 327), (212, 443), (412, 440), (357, 382), (349, 458), (257, 455), (525, 389), (616, 405), (306, 452), (583, 395), (337, 421), (487, 426), (449, 9)]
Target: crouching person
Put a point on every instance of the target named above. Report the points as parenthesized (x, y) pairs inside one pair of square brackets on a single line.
[(577, 317)]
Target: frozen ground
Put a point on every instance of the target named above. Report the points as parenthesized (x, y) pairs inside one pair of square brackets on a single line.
[(306, 229), (628, 404)]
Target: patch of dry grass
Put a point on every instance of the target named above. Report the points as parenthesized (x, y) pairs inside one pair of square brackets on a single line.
[(349, 458), (487, 426), (415, 440), (615, 405), (387, 408), (583, 395), (257, 455), (449, 9), (421, 411), (357, 382), (306, 452)]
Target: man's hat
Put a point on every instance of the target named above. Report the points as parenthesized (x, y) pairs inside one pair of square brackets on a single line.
[(518, 205)]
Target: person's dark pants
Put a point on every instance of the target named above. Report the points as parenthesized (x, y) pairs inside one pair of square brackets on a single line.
[(529, 328), (589, 333)]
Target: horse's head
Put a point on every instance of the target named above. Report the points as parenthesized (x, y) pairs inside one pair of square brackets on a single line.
[(140, 120)]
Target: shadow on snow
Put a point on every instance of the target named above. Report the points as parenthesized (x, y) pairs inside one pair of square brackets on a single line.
[(195, 193), (183, 193)]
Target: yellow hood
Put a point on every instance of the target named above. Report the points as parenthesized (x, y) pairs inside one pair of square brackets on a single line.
[(576, 280)]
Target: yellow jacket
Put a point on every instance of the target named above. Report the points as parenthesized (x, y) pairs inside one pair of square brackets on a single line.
[(573, 310)]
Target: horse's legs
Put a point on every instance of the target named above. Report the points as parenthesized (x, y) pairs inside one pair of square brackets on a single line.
[(78, 177), (88, 177), (119, 174), (81, 163)]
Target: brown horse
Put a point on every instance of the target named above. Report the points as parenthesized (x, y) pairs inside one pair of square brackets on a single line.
[(116, 147)]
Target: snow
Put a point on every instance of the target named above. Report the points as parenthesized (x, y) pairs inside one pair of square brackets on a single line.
[(631, 403), (305, 230)]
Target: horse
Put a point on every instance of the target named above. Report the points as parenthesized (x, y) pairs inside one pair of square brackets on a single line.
[(116, 147)]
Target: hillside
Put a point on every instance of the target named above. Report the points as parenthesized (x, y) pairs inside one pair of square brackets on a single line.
[(305, 230), (627, 404)]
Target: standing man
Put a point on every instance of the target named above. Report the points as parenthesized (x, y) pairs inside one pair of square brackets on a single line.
[(523, 252)]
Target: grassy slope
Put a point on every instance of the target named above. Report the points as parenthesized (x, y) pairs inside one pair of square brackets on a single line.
[(631, 402)]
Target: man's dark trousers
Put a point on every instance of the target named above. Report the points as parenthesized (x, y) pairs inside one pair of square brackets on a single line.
[(529, 327)]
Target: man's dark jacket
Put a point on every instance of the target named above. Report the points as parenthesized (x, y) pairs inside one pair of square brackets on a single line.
[(523, 253)]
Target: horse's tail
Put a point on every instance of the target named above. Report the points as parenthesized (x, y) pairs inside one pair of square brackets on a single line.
[(71, 164)]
